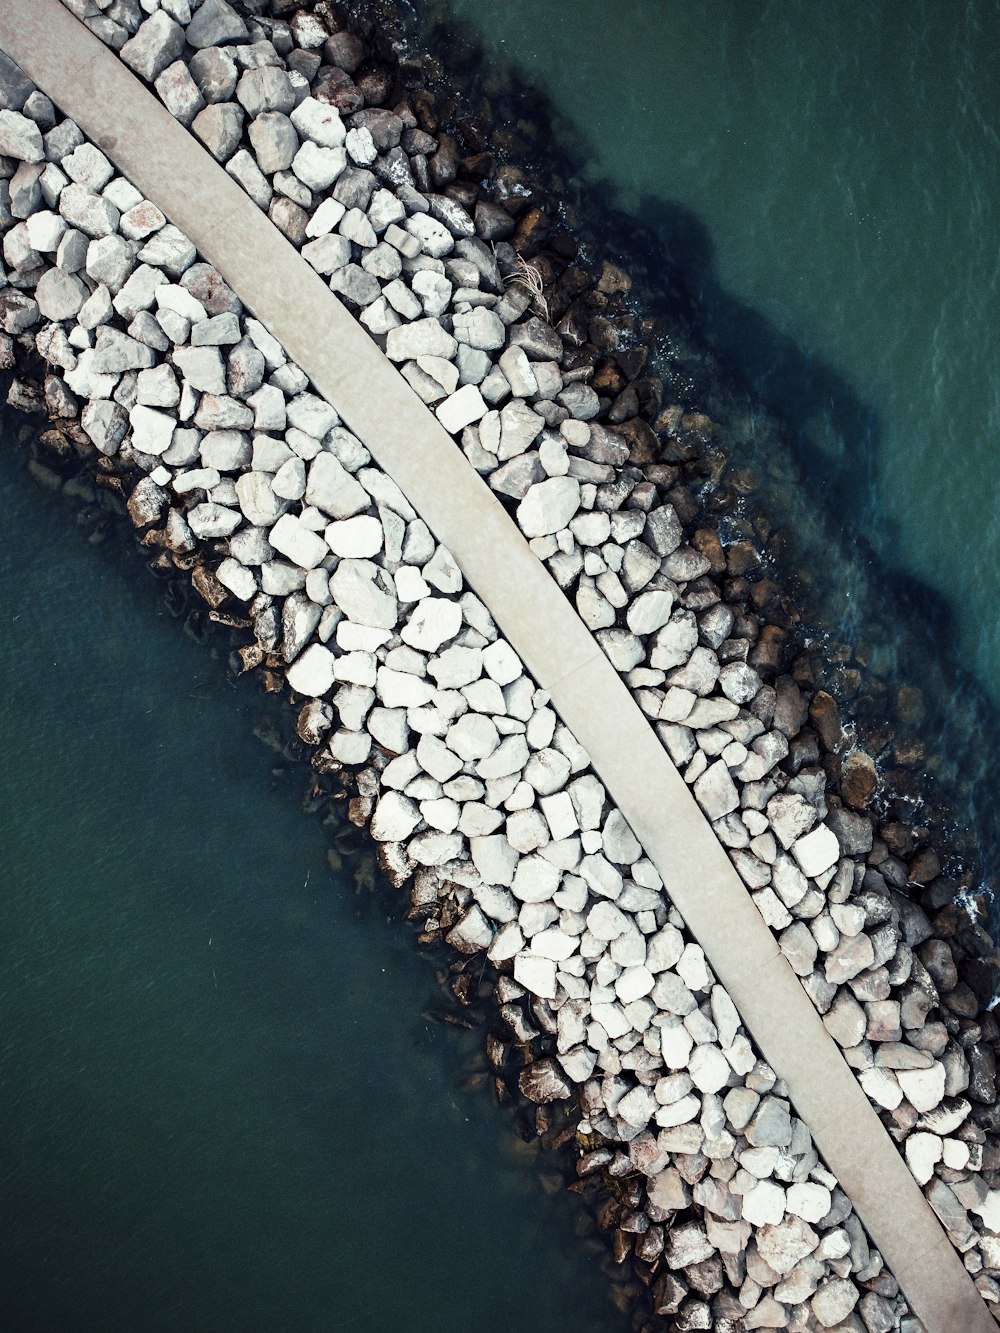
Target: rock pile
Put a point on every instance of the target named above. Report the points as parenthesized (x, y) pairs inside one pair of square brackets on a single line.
[(478, 796)]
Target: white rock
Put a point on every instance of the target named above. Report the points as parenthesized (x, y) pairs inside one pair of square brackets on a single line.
[(602, 877), (312, 673), (553, 943), (400, 689), (535, 880), (501, 663), (559, 815), (319, 122), (473, 736), (535, 974), (424, 337), (808, 1200), (152, 431), (548, 506), (461, 409), (923, 1088), (361, 598), (675, 1044), (437, 759), (817, 851), (432, 622), (318, 167), (764, 1204), (709, 1070), (355, 538), (303, 547), (634, 983), (649, 612), (494, 858)]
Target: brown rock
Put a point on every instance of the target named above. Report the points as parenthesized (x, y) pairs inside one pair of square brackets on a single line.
[(825, 718), (858, 780), (543, 1081), (643, 445)]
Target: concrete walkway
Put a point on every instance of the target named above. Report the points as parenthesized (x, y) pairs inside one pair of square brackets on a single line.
[(89, 83)]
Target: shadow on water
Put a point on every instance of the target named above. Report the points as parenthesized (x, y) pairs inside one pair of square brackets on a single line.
[(793, 417)]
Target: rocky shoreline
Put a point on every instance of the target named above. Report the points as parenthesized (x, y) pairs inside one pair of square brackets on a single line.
[(160, 384)]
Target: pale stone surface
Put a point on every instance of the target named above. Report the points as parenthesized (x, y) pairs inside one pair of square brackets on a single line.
[(302, 546), (312, 672), (923, 1152), (833, 1303), (817, 851), (548, 506), (355, 538), (923, 1088)]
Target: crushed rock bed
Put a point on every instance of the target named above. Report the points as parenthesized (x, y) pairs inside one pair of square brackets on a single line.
[(479, 798)]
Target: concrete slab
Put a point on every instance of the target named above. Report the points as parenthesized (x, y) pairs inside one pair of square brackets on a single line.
[(347, 367)]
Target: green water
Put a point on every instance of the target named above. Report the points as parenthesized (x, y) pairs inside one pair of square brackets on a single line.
[(827, 175), (824, 176), (221, 1106)]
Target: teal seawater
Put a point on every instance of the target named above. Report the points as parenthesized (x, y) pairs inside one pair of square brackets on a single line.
[(825, 179), (222, 1108)]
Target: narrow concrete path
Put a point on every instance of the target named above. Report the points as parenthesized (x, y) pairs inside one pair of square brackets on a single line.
[(89, 83)]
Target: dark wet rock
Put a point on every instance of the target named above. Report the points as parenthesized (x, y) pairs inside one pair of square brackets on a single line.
[(858, 779), (543, 1082)]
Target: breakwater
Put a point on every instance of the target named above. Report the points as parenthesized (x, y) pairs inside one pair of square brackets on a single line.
[(600, 478)]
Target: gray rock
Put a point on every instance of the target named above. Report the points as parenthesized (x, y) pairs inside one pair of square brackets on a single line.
[(274, 141), (169, 249), (716, 792), (244, 169), (116, 352), (834, 1302), (220, 128), (225, 450), (88, 212), (266, 89), (157, 44), (663, 530), (60, 295), (353, 284), (424, 337), (479, 328), (215, 73), (110, 260), (333, 489), (216, 24), (771, 1126), (106, 424), (15, 86), (220, 331), (203, 368), (179, 93), (62, 140)]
